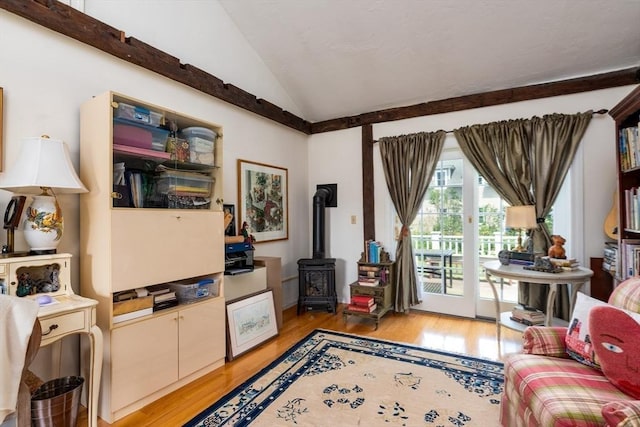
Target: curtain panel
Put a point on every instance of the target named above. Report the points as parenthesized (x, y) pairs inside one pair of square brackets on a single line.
[(526, 162), (408, 162)]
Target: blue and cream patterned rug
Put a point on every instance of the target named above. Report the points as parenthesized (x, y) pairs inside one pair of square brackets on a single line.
[(336, 379)]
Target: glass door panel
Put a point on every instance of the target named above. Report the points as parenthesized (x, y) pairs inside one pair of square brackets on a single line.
[(440, 243)]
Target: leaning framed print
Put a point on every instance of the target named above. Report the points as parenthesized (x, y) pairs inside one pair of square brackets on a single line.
[(251, 321), (263, 200)]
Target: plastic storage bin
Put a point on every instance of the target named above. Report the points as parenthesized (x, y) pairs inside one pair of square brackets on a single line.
[(139, 135), (202, 143), (184, 183), (191, 292), (138, 114)]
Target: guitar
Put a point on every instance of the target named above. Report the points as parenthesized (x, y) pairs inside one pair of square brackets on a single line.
[(611, 221)]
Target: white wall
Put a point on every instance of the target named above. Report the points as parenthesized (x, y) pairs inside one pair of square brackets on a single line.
[(337, 156), (47, 76)]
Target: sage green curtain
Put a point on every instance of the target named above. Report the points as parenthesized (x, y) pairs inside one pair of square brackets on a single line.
[(526, 162), (408, 162)]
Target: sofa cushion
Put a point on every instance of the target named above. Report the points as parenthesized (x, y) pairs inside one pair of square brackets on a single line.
[(559, 392), (545, 340), (577, 339), (627, 295), (624, 413), (616, 342)]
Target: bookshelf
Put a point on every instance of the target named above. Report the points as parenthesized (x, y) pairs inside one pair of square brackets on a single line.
[(151, 217), (626, 115), (375, 280)]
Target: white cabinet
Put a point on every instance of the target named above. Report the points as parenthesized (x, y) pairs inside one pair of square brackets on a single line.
[(173, 232), (154, 246), (142, 363)]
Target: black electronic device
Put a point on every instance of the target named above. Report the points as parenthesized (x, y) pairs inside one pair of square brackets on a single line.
[(238, 258), (12, 216)]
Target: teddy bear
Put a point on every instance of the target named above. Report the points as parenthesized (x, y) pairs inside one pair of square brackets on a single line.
[(557, 250)]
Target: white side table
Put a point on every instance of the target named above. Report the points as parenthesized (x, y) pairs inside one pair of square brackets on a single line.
[(74, 314), (576, 278)]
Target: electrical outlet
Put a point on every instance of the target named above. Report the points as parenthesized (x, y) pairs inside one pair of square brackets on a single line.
[(353, 219)]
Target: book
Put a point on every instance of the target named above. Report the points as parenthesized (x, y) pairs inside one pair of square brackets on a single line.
[(529, 314), (167, 296), (529, 317), (158, 289), (362, 309), (528, 322), (362, 300), (132, 315), (366, 281), (165, 304), (132, 305)]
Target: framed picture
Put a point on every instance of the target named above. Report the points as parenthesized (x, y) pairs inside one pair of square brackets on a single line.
[(263, 200), (250, 322)]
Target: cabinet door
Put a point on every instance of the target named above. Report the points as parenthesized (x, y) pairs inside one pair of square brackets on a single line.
[(151, 246), (144, 359), (201, 336)]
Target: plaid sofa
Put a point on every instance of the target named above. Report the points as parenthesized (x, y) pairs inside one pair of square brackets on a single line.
[(545, 387)]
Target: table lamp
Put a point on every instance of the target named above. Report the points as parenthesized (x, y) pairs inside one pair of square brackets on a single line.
[(521, 217), (43, 168)]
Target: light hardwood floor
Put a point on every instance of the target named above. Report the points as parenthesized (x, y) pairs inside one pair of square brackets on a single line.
[(473, 337)]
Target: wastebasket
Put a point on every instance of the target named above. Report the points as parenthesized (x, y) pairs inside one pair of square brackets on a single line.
[(56, 403)]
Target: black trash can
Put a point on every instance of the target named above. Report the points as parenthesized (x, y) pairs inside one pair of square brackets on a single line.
[(56, 403)]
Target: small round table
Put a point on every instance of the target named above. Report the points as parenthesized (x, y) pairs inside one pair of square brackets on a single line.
[(576, 278)]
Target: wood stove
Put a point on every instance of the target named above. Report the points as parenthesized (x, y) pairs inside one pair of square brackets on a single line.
[(317, 275), (317, 284)]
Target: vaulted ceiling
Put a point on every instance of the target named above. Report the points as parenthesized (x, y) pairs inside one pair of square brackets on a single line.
[(339, 58)]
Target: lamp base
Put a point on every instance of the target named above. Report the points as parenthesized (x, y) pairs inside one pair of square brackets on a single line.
[(43, 225), (42, 251)]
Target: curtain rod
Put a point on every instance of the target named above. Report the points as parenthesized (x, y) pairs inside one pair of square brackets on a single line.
[(601, 111)]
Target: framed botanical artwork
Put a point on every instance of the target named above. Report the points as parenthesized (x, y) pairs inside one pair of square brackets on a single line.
[(250, 322), (263, 200)]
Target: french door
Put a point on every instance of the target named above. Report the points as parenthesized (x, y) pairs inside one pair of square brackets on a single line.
[(459, 227)]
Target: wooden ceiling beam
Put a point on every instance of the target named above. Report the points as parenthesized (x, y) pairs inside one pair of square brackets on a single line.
[(68, 21), (524, 93)]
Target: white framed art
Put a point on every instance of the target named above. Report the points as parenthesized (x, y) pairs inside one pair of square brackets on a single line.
[(250, 322)]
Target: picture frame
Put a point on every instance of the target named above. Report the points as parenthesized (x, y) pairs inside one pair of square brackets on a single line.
[(263, 200), (251, 320)]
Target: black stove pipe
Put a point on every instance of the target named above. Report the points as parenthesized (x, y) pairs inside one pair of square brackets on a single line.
[(319, 202)]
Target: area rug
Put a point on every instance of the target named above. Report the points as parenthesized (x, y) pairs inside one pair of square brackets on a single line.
[(337, 379)]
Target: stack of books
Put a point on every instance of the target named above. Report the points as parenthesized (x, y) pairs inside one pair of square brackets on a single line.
[(129, 305), (163, 297), (527, 315), (567, 264), (362, 303), (368, 281)]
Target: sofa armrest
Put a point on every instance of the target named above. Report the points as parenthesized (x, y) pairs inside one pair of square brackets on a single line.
[(622, 413), (545, 341)]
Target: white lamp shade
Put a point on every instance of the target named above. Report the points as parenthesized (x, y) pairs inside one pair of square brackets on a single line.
[(521, 216), (42, 162)]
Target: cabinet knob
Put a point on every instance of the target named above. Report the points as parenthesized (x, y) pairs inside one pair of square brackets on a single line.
[(116, 195)]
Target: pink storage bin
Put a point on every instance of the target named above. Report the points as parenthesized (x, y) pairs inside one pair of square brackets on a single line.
[(133, 136)]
